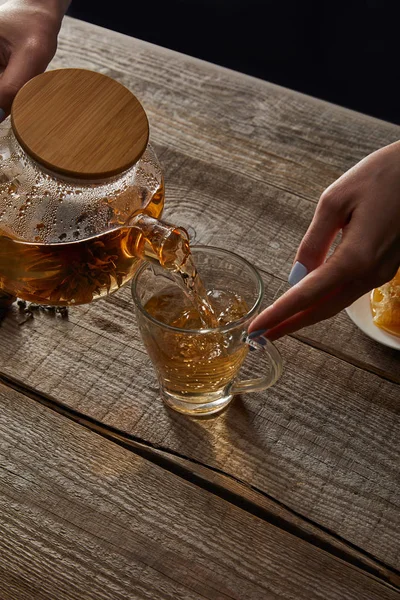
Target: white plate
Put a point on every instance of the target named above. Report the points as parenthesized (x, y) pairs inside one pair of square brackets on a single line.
[(360, 313)]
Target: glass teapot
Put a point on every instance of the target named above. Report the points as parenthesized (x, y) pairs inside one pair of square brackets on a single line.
[(81, 191)]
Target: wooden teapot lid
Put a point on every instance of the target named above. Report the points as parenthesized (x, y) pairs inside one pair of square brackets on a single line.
[(80, 123)]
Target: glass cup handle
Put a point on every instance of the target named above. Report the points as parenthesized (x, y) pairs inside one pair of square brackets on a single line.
[(269, 353)]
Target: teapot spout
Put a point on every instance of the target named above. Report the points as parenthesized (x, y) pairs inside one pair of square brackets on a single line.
[(157, 241)]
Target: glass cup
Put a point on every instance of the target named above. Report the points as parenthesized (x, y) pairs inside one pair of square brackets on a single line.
[(198, 368)]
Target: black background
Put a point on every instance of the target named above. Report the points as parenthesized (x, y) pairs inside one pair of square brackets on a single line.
[(347, 53)]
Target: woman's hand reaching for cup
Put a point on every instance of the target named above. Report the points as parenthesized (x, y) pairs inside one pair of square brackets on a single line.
[(28, 41), (364, 204)]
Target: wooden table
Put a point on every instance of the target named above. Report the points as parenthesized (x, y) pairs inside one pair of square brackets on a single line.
[(291, 493)]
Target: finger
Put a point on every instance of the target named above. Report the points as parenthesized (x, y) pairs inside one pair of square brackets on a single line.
[(339, 270), (328, 219), (325, 309), (24, 64)]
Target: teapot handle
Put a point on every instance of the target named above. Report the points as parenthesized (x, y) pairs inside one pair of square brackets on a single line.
[(269, 355)]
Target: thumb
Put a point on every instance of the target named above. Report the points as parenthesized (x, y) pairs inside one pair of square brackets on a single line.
[(314, 247)]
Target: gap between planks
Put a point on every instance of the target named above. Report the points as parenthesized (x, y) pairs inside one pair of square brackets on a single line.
[(225, 486)]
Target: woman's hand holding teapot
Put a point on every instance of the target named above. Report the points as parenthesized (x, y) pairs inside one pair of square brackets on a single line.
[(28, 41)]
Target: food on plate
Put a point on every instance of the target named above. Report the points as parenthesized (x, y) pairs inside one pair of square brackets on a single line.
[(385, 305)]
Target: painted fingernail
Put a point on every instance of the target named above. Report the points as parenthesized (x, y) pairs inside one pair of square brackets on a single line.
[(2, 115), (258, 336), (298, 272), (258, 333)]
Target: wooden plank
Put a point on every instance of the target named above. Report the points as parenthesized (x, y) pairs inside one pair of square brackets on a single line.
[(245, 160), (323, 441), (83, 517), (227, 487), (260, 504), (274, 220), (227, 118)]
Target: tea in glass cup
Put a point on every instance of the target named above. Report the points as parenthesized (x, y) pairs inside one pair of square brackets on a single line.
[(198, 364)]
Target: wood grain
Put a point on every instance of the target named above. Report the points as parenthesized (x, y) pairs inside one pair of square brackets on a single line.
[(245, 162), (225, 486), (242, 124), (323, 441), (86, 125), (82, 517), (265, 226)]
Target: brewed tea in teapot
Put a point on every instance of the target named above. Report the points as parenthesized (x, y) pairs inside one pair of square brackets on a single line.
[(81, 191)]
